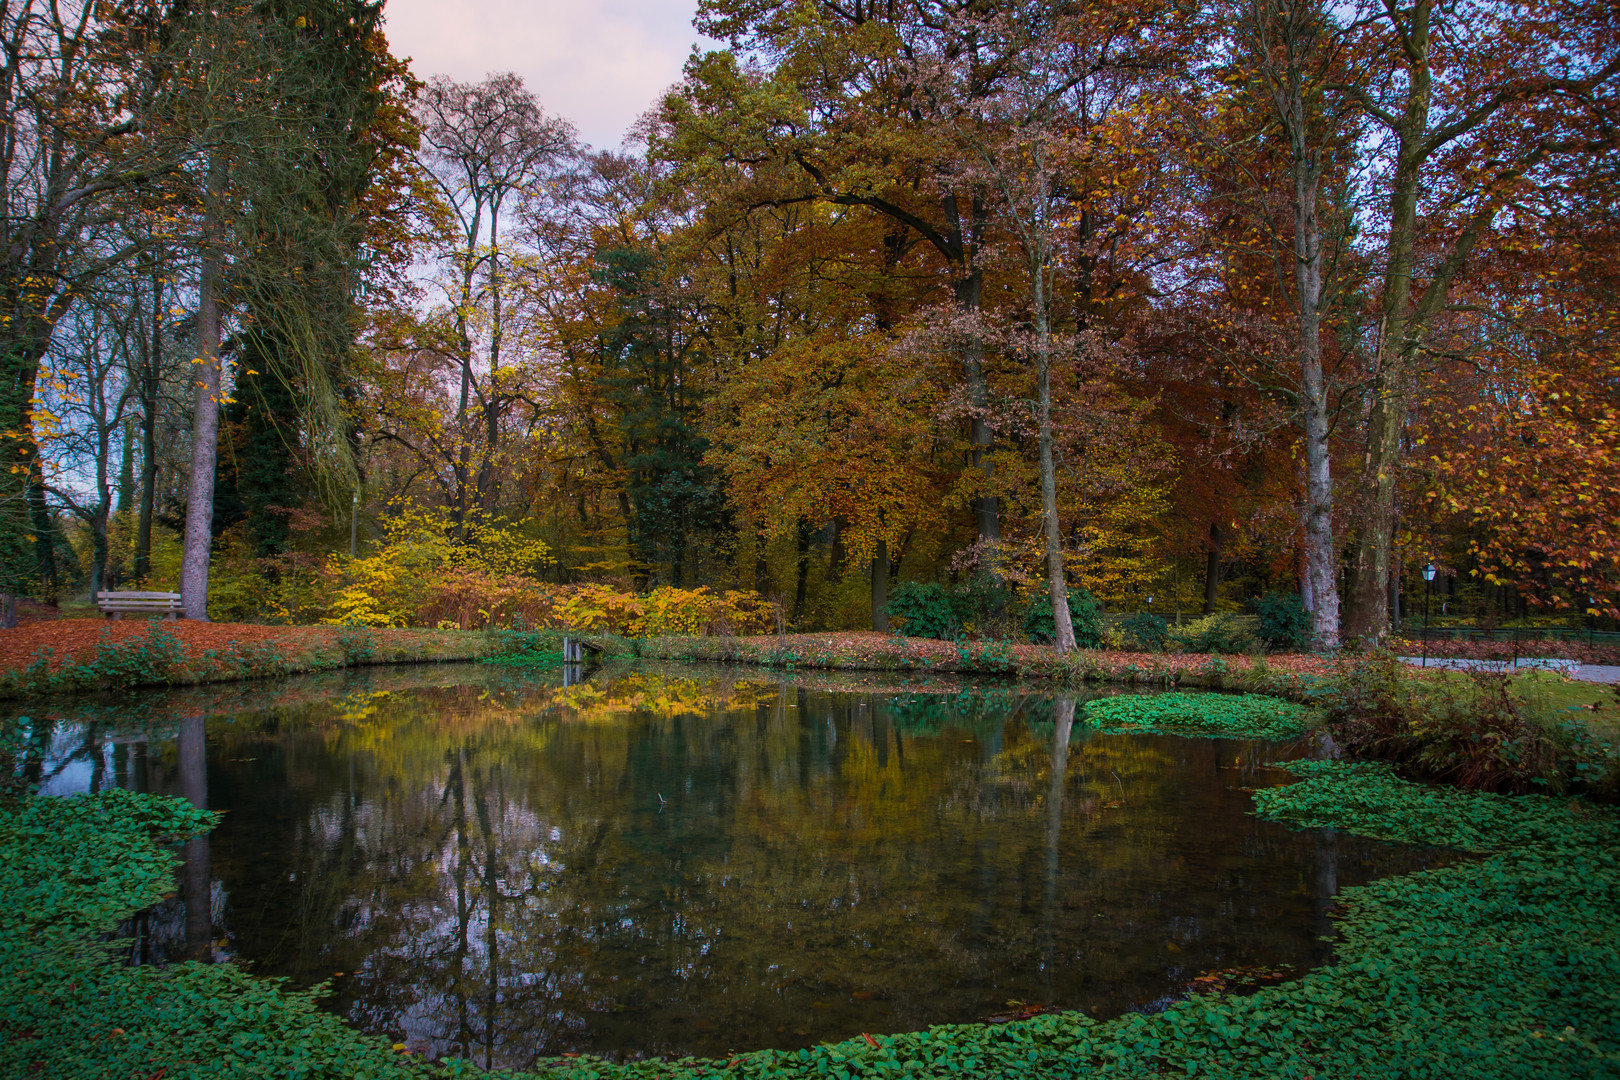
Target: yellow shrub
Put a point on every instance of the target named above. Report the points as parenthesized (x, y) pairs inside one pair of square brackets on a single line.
[(599, 607), (427, 571)]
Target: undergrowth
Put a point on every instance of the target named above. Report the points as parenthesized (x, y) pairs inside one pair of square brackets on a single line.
[(1471, 729)]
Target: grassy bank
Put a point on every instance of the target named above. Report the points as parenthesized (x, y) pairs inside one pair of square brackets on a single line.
[(70, 655), (1290, 675), (1504, 965)]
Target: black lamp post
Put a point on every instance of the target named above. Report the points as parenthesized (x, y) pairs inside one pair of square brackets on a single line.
[(1428, 589)]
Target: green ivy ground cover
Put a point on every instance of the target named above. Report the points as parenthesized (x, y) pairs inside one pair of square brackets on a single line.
[(1503, 966), (1247, 716)]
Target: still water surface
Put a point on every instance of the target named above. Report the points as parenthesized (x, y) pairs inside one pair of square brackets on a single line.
[(496, 866)]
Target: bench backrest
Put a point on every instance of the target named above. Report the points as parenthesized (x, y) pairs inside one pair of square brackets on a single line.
[(137, 596)]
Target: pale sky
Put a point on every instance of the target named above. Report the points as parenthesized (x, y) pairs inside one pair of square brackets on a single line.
[(598, 63)]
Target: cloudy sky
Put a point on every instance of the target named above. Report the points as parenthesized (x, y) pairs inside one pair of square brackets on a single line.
[(599, 63)]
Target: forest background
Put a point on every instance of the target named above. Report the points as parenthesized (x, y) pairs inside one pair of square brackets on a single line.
[(1181, 303)]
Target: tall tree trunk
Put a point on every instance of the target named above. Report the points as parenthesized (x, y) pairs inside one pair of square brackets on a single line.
[(1212, 569), (1399, 338), (762, 564), (1321, 557), (99, 550), (44, 530), (126, 470), (487, 470), (986, 506), (802, 584), (1057, 580), (880, 587), (1367, 609), (199, 537), (149, 418)]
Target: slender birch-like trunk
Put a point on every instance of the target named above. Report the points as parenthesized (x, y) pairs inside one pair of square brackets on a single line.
[(199, 535)]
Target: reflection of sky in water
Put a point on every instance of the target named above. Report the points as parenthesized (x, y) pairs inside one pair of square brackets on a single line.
[(509, 869)]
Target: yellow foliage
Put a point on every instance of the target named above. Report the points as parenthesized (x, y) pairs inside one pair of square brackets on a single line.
[(425, 561), (425, 572)]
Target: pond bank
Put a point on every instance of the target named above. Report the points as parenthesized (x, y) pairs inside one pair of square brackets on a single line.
[(64, 655), (84, 654), (1287, 675), (1508, 965)]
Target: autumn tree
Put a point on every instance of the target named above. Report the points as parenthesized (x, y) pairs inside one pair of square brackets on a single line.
[(1478, 104), (486, 146), (80, 101)]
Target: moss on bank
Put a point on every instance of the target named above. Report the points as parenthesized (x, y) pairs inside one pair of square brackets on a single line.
[(1502, 966)]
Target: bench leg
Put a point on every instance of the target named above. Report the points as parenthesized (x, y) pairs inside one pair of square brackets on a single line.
[(173, 615)]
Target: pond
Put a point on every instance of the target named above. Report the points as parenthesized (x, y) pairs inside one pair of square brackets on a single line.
[(490, 864)]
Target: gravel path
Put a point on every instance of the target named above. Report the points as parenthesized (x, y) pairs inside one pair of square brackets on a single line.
[(1598, 673)]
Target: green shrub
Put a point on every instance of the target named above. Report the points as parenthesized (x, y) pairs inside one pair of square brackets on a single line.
[(141, 661), (1084, 613), (1218, 633), (1144, 632), (357, 645), (928, 610), (1284, 622), (526, 648)]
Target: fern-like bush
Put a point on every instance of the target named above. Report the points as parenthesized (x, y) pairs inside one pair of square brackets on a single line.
[(1084, 612), (1284, 622), (926, 609)]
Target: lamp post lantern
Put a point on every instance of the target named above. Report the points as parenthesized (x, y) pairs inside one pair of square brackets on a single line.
[(1428, 589)]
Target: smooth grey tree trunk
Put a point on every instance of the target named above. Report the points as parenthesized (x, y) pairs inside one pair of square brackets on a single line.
[(1057, 580), (199, 537)]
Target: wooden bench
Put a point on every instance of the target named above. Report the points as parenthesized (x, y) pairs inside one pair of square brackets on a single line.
[(114, 604)]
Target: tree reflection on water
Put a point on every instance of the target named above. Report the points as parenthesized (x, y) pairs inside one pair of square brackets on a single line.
[(665, 863)]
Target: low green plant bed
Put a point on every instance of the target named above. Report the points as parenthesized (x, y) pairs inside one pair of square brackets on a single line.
[(1245, 716), (1507, 965)]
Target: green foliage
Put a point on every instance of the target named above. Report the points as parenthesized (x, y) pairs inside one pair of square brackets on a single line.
[(1084, 613), (145, 661), (1218, 633), (1466, 728), (1284, 622), (1145, 632), (1244, 716), (676, 497), (249, 660), (70, 869), (357, 644), (928, 610), (154, 659), (992, 656), (527, 648)]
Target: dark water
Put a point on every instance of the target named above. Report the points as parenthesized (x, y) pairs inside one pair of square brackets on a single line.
[(496, 866)]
